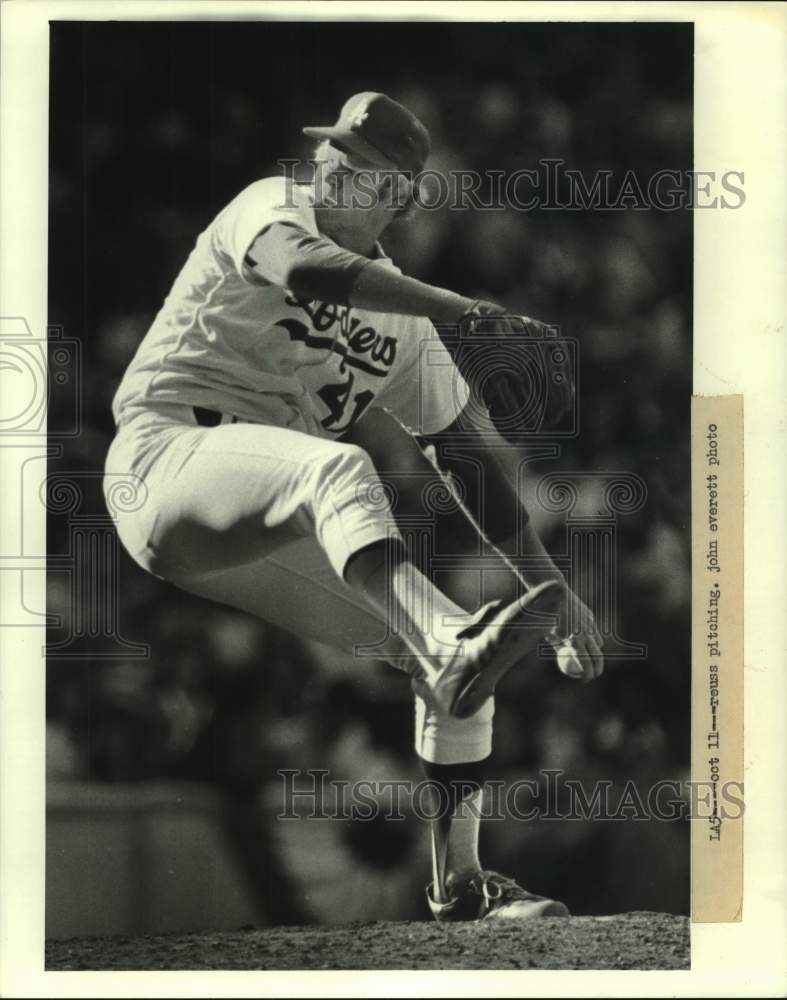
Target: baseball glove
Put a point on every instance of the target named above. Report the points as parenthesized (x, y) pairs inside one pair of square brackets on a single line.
[(518, 368)]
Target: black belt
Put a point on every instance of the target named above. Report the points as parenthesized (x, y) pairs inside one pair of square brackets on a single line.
[(212, 418)]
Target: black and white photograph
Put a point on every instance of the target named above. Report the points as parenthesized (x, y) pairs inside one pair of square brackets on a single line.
[(385, 339), (365, 454)]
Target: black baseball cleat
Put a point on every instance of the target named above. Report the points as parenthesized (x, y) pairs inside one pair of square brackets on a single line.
[(485, 652), (487, 895)]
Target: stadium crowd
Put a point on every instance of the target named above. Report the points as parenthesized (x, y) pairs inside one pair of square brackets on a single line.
[(153, 129)]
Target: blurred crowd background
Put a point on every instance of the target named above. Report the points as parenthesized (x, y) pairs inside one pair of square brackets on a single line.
[(153, 128)]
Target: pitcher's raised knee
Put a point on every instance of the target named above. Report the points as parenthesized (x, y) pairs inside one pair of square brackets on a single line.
[(351, 507)]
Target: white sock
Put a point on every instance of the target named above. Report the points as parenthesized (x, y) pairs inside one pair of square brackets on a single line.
[(430, 620), (462, 852), (455, 849)]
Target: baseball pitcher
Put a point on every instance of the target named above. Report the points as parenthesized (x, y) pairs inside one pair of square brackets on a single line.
[(265, 414)]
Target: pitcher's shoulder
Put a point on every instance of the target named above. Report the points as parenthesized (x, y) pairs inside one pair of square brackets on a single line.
[(280, 191)]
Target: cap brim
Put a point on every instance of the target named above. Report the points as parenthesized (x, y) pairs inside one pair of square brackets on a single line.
[(353, 143)]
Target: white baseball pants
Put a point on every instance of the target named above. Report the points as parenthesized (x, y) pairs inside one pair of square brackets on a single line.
[(264, 519)]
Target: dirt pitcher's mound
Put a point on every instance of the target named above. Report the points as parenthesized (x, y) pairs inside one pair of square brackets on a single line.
[(626, 941)]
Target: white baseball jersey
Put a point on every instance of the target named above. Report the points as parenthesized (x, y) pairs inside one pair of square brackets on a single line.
[(227, 341)]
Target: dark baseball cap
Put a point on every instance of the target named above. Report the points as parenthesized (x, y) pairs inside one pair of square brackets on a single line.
[(380, 130)]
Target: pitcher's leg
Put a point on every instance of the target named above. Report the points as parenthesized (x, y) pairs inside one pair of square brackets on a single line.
[(241, 491), (297, 589), (231, 495)]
